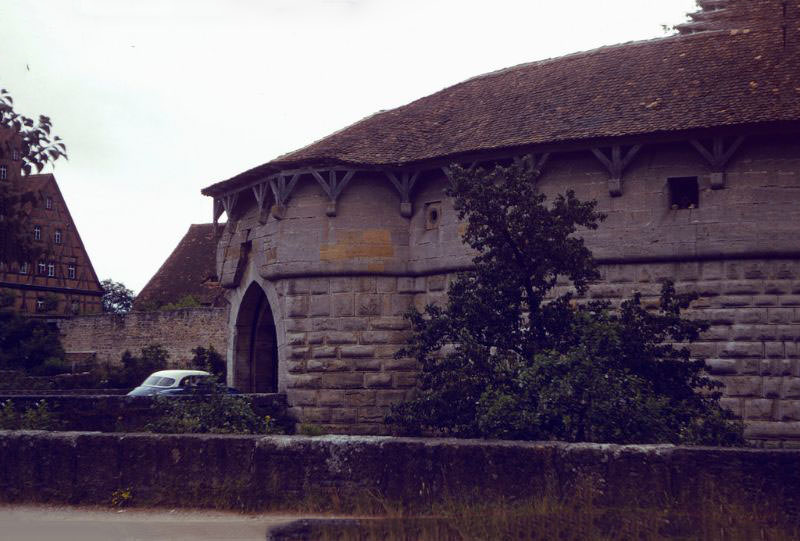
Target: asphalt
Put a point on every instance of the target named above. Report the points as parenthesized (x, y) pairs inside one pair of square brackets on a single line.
[(39, 523)]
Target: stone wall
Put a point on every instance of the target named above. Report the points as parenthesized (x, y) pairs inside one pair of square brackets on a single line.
[(342, 334), (179, 331), (410, 474), (338, 282)]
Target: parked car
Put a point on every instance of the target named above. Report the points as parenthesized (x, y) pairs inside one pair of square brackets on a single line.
[(178, 383)]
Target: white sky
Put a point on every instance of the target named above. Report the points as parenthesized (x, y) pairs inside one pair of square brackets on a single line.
[(157, 99)]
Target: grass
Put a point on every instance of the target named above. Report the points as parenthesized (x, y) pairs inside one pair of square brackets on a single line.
[(581, 515)]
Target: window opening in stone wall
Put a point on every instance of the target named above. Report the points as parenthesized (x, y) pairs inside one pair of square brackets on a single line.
[(3, 172), (51, 269), (683, 193), (42, 267), (37, 233), (57, 236), (433, 214), (40, 305), (23, 269), (15, 155), (71, 272)]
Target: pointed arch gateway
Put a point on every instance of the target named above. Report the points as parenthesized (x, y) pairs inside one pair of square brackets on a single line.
[(255, 362)]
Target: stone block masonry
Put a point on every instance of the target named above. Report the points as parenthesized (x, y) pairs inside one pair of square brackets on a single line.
[(412, 474), (342, 373), (179, 331)]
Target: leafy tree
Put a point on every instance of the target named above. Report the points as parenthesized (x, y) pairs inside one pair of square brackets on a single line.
[(134, 370), (39, 147), (512, 355), (210, 361), (27, 343), (117, 299)]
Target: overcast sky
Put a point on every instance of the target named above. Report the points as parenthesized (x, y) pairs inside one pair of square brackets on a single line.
[(157, 99)]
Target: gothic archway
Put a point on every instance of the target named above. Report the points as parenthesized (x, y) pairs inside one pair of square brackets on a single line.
[(255, 361)]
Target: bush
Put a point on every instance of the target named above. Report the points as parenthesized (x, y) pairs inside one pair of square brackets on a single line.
[(134, 370), (38, 417), (216, 412), (27, 343), (210, 361), (507, 357)]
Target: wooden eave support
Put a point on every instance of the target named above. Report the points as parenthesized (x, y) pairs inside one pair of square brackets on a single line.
[(533, 163), (616, 165), (718, 157), (404, 184), (261, 193), (333, 186), (281, 190), (216, 213)]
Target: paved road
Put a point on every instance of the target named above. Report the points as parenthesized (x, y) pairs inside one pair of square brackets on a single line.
[(32, 523)]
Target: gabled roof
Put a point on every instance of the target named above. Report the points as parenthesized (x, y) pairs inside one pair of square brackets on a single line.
[(47, 183), (740, 71), (189, 270)]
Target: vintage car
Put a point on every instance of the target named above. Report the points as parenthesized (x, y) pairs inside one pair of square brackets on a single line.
[(178, 382)]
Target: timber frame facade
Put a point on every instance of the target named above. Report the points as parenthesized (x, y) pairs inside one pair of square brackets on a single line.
[(61, 281)]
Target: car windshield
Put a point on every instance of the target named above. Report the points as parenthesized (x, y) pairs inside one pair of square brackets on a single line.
[(158, 381)]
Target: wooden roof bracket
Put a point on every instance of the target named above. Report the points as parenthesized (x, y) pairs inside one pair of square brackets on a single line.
[(333, 186), (718, 157), (261, 192), (404, 185), (281, 189), (216, 213), (533, 163), (616, 165)]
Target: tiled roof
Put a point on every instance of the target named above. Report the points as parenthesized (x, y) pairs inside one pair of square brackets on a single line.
[(189, 270), (743, 71)]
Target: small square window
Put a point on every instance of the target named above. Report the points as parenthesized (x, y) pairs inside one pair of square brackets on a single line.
[(42, 267), (71, 272), (51, 269), (683, 193), (57, 236), (23, 269), (433, 214), (3, 172), (48, 203), (40, 305), (37, 233)]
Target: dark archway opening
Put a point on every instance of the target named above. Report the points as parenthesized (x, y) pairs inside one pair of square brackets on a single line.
[(255, 361)]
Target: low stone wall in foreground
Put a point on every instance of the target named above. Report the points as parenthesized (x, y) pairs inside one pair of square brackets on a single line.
[(297, 472)]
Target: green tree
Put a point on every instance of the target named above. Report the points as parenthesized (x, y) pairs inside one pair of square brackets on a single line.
[(210, 361), (39, 147), (27, 343), (117, 299), (512, 355)]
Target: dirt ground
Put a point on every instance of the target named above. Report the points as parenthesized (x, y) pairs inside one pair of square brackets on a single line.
[(40, 523)]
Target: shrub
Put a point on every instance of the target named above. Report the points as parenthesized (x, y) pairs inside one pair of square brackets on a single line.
[(37, 417), (134, 370), (215, 412), (510, 357), (27, 343), (210, 361)]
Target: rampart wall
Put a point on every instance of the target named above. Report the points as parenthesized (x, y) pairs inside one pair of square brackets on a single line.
[(107, 336), (413, 474)]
